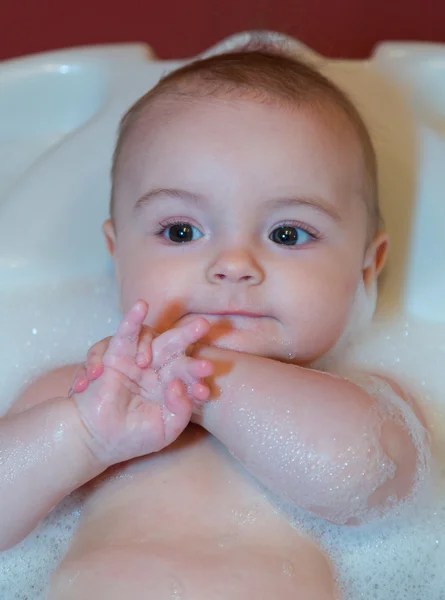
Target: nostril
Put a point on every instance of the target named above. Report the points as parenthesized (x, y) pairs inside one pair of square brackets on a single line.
[(220, 276)]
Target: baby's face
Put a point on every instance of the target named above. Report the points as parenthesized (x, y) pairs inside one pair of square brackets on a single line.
[(249, 214)]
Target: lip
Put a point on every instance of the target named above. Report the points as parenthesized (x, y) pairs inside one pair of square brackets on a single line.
[(236, 313), (237, 329), (236, 316), (232, 313)]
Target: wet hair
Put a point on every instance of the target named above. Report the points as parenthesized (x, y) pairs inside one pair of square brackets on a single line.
[(263, 76)]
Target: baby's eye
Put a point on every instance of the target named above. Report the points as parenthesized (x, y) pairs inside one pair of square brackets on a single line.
[(181, 232), (287, 235)]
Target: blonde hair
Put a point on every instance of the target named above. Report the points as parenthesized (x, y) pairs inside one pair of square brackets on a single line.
[(265, 76)]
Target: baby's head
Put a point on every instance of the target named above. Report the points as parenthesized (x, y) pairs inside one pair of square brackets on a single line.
[(245, 190)]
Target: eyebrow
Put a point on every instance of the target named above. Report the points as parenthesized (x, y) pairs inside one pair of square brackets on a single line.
[(149, 197), (317, 203)]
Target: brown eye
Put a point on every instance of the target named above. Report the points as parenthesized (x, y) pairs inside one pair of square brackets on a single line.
[(182, 232), (287, 235)]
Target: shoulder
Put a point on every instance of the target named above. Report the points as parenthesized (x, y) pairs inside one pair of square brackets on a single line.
[(53, 384)]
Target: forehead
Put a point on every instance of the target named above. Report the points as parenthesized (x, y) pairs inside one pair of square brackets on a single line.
[(241, 146)]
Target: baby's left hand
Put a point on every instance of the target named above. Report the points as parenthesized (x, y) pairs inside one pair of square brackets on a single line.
[(93, 367)]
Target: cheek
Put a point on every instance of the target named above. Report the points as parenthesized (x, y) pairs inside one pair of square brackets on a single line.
[(161, 283), (319, 305)]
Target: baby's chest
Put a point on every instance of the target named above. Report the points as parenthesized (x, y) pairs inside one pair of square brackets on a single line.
[(192, 489), (190, 520)]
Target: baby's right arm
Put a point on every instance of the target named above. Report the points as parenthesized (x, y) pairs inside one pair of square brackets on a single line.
[(43, 457), (138, 405)]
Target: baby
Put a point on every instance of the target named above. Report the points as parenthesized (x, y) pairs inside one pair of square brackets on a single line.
[(245, 233)]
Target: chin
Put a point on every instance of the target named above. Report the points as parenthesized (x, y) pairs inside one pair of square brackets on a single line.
[(274, 349)]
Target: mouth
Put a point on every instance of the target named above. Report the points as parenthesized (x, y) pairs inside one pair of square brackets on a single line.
[(225, 321), (234, 313), (247, 331)]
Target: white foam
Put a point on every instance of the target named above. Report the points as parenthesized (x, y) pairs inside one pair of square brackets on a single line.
[(49, 326), (25, 569), (400, 559)]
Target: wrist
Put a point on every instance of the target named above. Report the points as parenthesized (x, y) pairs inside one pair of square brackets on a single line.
[(86, 465)]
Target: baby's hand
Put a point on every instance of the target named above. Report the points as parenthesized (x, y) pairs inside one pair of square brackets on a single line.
[(136, 394)]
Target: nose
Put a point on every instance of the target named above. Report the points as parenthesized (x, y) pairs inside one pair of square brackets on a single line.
[(236, 266)]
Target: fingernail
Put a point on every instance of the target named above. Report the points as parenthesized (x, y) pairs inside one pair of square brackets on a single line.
[(94, 370), (79, 386)]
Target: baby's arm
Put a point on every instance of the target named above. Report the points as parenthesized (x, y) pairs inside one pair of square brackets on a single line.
[(318, 441), (43, 457)]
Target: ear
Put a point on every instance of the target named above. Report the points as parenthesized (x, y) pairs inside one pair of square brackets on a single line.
[(110, 236), (375, 259)]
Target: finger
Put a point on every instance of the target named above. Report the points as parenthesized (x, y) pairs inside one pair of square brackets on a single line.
[(144, 352), (190, 369), (99, 348), (174, 341), (80, 381), (176, 399), (125, 341), (94, 361), (94, 368), (200, 391), (199, 368), (177, 411)]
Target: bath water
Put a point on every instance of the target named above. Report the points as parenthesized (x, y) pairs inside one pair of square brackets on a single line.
[(401, 559)]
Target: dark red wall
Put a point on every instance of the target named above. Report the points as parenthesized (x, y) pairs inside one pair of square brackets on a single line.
[(179, 28)]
